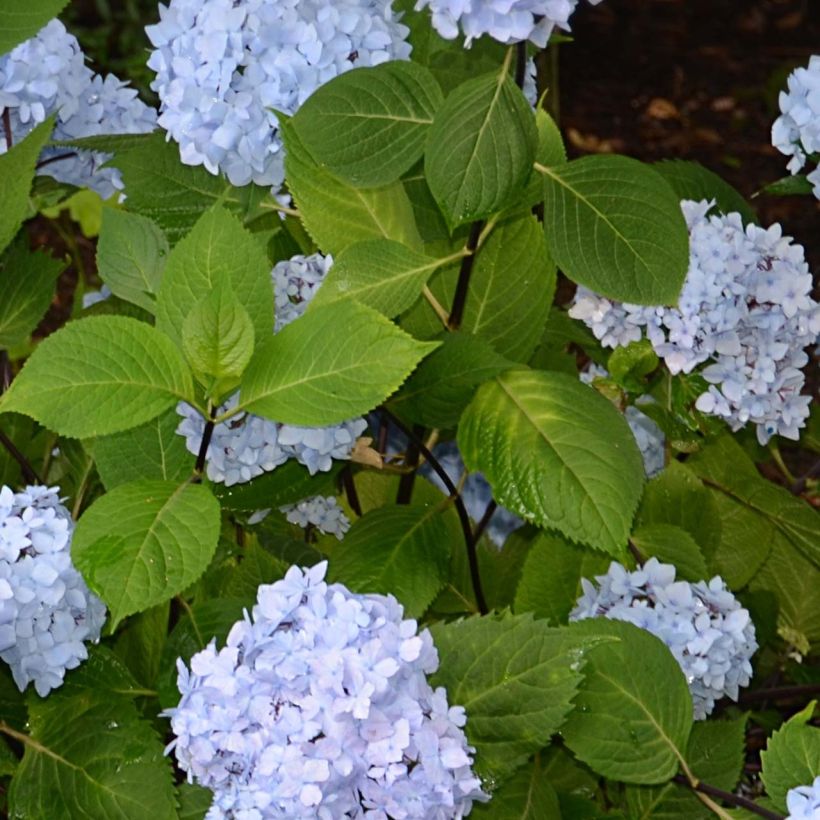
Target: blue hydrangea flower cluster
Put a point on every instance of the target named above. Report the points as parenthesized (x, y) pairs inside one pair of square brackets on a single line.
[(319, 707), (247, 446), (322, 512), (47, 74), (796, 132), (508, 21), (225, 66), (803, 802), (745, 311), (711, 636), (648, 436), (46, 610)]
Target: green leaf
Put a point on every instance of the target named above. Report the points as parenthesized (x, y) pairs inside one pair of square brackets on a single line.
[(194, 631), (614, 225), (550, 151), (379, 273), (792, 757), (629, 365), (515, 677), (194, 801), (797, 185), (368, 125), (152, 450), (672, 545), (445, 382), (399, 550), (144, 542), (481, 148), (337, 214), (319, 370), (257, 566), (26, 289), (17, 172), (89, 754), (527, 795), (217, 251), (217, 335), (551, 578), (21, 21), (139, 644), (690, 180), (557, 453), (633, 712), (99, 376), (131, 255), (676, 496), (724, 467)]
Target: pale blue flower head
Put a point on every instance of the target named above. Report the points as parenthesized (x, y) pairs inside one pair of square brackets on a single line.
[(803, 802)]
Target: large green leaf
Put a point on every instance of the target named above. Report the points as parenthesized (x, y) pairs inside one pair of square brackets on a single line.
[(337, 214), (139, 644), (217, 251), (551, 578), (480, 148), (20, 21), (89, 754), (614, 225), (557, 453), (515, 677), (380, 273), (368, 125), (671, 545), (131, 255), (398, 550), (527, 795), (633, 712), (792, 757), (724, 467), (99, 376), (144, 542), (16, 174), (26, 289), (152, 450), (445, 382), (334, 363)]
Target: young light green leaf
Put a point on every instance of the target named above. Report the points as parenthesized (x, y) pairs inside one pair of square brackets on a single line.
[(445, 382), (515, 677), (20, 21), (337, 214), (131, 255), (400, 550), (26, 289), (551, 578), (16, 174), (99, 376), (614, 225), (557, 453), (672, 545), (320, 370), (380, 273), (144, 542), (217, 335), (792, 757), (368, 125), (217, 251), (481, 148), (633, 712), (527, 795), (152, 450)]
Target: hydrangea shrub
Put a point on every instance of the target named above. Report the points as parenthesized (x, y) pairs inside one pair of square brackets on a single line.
[(323, 504)]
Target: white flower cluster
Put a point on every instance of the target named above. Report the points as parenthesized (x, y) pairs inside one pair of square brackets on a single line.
[(321, 512), (703, 624), (46, 610), (476, 493), (246, 445), (648, 436), (224, 67), (796, 132), (47, 74), (319, 707), (508, 21), (803, 802), (745, 310)]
